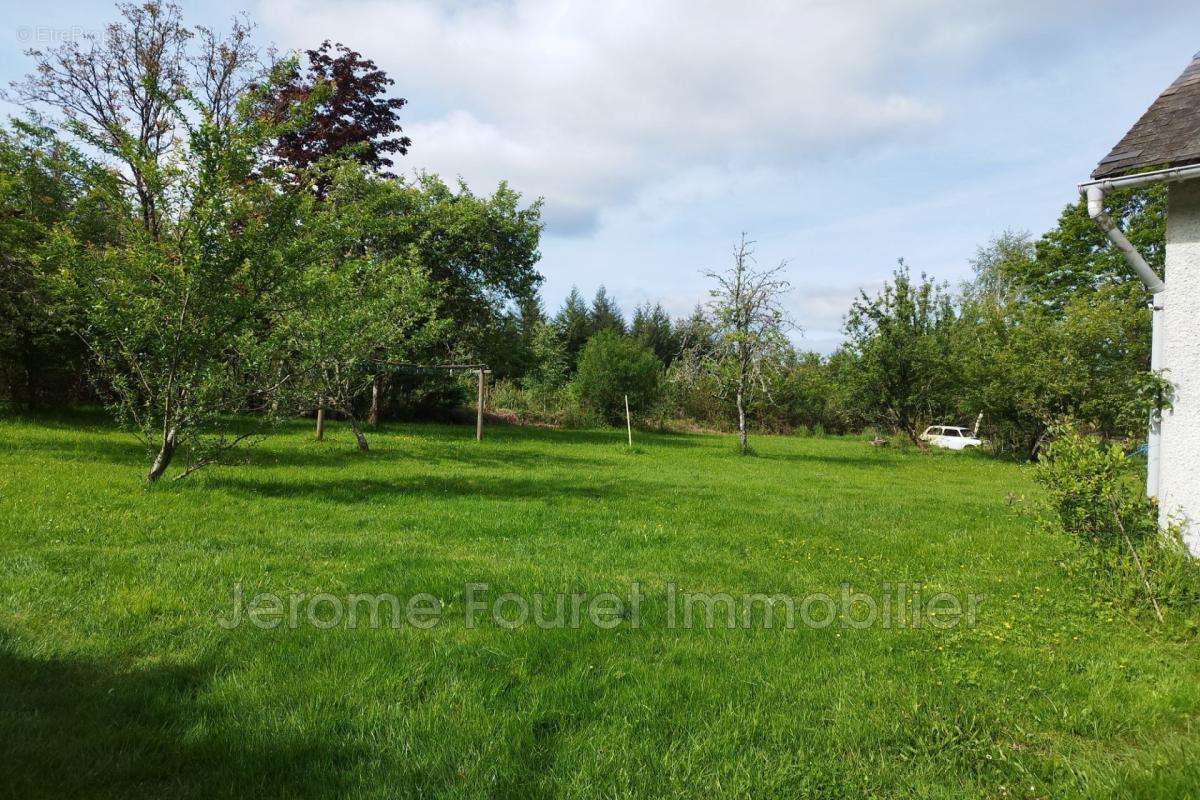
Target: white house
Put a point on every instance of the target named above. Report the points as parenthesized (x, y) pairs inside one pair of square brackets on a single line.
[(1164, 146)]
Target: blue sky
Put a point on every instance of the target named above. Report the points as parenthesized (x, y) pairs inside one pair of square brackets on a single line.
[(840, 135)]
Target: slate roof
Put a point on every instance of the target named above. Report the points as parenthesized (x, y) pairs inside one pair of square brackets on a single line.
[(1167, 135)]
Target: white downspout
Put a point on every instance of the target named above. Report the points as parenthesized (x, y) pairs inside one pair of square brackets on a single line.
[(1154, 440), (1154, 285), (1095, 205)]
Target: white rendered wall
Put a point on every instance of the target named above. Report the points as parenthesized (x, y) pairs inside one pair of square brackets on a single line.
[(1179, 491)]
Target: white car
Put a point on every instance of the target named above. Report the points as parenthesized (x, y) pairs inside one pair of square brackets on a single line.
[(950, 438)]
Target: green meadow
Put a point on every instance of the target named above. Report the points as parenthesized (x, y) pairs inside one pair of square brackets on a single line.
[(121, 674)]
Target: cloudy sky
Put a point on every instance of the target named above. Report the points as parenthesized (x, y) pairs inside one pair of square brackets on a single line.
[(841, 135)]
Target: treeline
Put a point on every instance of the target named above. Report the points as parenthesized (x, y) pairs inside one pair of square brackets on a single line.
[(1048, 329)]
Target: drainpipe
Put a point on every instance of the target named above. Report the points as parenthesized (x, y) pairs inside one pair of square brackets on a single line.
[(1095, 204), (1154, 440), (1154, 285)]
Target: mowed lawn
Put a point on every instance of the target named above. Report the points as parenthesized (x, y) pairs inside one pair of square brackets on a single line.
[(116, 679)]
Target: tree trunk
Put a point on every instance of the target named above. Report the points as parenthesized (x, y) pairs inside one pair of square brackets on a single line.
[(376, 390), (320, 422), (358, 434), (909, 428), (916, 439), (1035, 450), (741, 424), (163, 459)]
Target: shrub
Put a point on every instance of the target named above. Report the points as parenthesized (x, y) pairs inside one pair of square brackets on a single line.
[(1094, 495), (612, 366), (541, 406), (690, 395)]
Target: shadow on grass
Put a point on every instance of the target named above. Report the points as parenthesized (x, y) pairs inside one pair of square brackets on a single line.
[(76, 728), (114, 449), (91, 418), (591, 477), (358, 490), (510, 432), (431, 452), (868, 459)]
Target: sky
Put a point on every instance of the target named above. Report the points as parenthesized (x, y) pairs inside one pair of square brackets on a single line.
[(839, 135)]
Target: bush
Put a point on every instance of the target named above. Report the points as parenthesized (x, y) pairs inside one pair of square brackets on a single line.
[(1094, 495), (540, 406), (612, 366), (689, 395)]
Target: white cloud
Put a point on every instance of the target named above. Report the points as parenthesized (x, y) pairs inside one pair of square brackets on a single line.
[(485, 153), (592, 104)]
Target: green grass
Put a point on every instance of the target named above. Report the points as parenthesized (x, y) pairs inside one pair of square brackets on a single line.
[(117, 681)]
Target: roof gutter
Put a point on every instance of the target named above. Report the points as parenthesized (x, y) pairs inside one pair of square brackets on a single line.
[(1168, 175)]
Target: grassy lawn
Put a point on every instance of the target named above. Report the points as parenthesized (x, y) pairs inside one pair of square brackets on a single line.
[(116, 679)]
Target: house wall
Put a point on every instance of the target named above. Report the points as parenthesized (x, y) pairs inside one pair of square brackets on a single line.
[(1179, 490)]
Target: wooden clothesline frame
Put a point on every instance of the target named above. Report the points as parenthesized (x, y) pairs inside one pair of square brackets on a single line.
[(480, 369)]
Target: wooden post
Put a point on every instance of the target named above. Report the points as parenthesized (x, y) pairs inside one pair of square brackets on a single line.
[(479, 409), (320, 422), (628, 423)]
